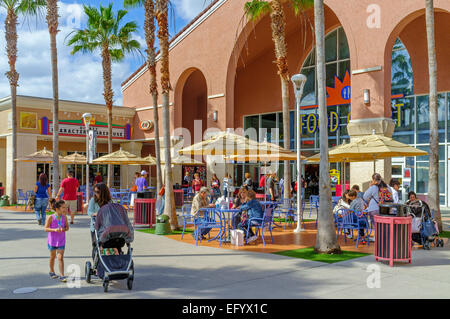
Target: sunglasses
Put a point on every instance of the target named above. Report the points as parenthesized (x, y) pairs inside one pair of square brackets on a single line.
[(96, 192)]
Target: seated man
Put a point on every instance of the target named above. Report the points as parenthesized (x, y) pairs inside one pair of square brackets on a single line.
[(357, 204), (254, 210), (199, 202)]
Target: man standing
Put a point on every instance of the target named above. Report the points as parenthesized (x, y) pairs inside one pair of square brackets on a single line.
[(141, 182), (69, 186), (270, 187), (98, 179)]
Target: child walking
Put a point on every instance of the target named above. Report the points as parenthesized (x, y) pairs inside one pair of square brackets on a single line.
[(56, 225)]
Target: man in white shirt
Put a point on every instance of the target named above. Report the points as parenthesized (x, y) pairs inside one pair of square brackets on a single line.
[(394, 187)]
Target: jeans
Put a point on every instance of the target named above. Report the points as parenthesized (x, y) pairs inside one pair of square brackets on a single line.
[(244, 226), (40, 207)]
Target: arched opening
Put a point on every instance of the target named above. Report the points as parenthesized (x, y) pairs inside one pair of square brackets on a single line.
[(194, 104)]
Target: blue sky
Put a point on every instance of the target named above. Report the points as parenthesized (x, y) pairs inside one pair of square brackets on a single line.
[(80, 76)]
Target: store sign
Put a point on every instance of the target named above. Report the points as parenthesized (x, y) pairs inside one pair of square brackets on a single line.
[(92, 145), (146, 125)]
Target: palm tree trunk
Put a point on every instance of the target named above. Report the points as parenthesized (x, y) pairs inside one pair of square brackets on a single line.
[(108, 95), (326, 241), (278, 36), (433, 177), (13, 77), (150, 38), (52, 21), (163, 35)]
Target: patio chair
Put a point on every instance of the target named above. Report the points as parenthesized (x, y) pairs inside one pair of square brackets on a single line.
[(125, 200), (187, 218), (352, 220), (21, 197), (189, 195), (261, 224), (208, 218), (314, 203), (292, 213)]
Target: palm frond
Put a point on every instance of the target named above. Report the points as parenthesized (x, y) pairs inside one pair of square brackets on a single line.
[(256, 8), (133, 3), (301, 5)]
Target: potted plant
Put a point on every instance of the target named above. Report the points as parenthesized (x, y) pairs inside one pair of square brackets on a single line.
[(4, 200)]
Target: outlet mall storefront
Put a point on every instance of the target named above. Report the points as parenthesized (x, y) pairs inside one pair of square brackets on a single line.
[(226, 78)]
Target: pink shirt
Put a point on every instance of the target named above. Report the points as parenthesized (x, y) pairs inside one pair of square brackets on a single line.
[(56, 239)]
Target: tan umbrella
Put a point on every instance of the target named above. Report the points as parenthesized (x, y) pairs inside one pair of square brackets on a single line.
[(121, 157), (42, 156), (369, 148), (223, 143), (75, 158), (183, 160)]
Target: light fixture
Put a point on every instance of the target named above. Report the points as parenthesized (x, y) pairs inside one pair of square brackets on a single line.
[(367, 96), (215, 114)]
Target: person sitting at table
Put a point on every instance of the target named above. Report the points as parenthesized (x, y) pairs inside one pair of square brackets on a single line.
[(358, 205), (343, 202), (240, 199), (253, 210), (199, 202)]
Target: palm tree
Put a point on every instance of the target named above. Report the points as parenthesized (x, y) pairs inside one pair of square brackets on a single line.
[(106, 33), (13, 9), (52, 22), (433, 177), (326, 241), (163, 36), (149, 27), (253, 10)]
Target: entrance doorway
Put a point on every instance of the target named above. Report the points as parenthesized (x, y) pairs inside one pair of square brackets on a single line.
[(398, 167)]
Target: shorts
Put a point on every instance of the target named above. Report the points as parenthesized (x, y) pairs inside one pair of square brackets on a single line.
[(71, 206), (55, 248)]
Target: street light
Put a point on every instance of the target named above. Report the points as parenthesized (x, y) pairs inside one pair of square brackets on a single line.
[(298, 81), (87, 121)]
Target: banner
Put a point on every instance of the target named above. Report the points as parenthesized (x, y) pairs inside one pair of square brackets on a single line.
[(92, 146)]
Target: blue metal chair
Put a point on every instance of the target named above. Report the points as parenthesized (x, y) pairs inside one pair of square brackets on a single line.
[(187, 218), (189, 195), (313, 202), (125, 200), (20, 197), (261, 224), (292, 213), (208, 218), (352, 220)]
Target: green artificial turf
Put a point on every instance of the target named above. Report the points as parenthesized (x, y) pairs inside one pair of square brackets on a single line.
[(445, 234), (176, 232), (308, 253), (282, 220)]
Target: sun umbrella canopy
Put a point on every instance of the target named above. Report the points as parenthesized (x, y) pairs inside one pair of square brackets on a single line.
[(224, 143), (183, 160), (75, 158), (150, 160), (121, 157), (42, 156), (261, 157), (369, 148)]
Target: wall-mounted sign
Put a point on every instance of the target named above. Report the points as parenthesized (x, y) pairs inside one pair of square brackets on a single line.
[(407, 174), (92, 145), (146, 125), (28, 120), (77, 129)]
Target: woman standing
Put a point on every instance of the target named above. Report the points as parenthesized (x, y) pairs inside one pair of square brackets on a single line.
[(42, 191), (248, 183), (227, 184), (196, 183), (101, 197), (372, 195), (215, 188)]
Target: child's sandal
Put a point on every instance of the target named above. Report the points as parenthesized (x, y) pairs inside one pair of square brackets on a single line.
[(53, 275)]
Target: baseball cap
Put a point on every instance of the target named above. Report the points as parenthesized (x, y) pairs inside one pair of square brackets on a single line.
[(143, 172)]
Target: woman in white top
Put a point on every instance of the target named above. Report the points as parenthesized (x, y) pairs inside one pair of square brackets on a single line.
[(394, 187)]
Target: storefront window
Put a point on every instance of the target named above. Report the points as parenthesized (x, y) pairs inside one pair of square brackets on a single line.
[(252, 122), (344, 52), (403, 116), (309, 91), (269, 128), (422, 177), (401, 70), (423, 118), (331, 47)]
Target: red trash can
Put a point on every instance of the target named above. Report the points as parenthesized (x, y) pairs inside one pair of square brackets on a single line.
[(144, 211), (261, 197), (79, 202), (392, 238), (178, 195), (2, 191)]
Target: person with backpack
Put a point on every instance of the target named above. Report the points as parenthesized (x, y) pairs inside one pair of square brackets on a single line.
[(378, 193)]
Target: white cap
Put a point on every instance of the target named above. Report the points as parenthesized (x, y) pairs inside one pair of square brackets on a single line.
[(143, 172)]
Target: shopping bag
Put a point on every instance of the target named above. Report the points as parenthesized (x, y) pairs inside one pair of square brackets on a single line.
[(237, 237)]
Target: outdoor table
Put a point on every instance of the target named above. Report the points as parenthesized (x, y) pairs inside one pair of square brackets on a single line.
[(227, 220)]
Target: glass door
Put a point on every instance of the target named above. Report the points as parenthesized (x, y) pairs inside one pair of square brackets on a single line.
[(398, 168)]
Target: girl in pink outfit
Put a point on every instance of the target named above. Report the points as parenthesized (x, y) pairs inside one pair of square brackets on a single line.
[(56, 227)]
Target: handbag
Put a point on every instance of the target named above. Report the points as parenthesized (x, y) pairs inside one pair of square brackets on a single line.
[(415, 224), (428, 229)]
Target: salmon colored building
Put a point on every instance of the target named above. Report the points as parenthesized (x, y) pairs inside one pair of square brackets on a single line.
[(223, 76)]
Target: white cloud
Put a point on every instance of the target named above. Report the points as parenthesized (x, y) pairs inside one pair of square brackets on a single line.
[(80, 76), (189, 9)]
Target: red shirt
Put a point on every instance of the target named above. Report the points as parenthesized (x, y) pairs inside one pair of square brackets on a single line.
[(70, 186), (98, 179), (196, 185), (262, 181)]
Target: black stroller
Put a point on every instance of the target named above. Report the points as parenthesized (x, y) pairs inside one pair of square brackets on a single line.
[(426, 232), (112, 230)]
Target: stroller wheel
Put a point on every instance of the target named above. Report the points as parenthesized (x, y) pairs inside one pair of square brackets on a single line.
[(105, 286), (130, 282), (88, 272)]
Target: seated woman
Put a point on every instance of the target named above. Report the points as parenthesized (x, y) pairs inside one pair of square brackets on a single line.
[(418, 208), (358, 205), (254, 210), (240, 199), (343, 202)]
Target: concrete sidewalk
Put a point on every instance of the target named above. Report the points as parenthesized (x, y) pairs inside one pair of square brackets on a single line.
[(169, 269)]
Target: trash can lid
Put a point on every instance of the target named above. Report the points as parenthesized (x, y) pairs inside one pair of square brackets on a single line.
[(162, 218)]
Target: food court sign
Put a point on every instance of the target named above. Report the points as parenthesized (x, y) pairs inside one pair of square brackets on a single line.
[(77, 129)]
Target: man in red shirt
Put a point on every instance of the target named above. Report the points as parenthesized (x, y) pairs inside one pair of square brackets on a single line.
[(69, 186), (98, 178)]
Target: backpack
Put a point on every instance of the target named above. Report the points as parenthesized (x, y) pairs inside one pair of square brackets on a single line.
[(384, 196)]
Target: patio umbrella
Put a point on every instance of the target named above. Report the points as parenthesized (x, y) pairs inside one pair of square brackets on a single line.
[(370, 148), (75, 158), (223, 143), (183, 160), (122, 157), (42, 156)]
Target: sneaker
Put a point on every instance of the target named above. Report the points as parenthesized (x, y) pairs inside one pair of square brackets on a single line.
[(39, 222), (63, 279), (350, 236), (252, 239), (372, 239), (53, 275)]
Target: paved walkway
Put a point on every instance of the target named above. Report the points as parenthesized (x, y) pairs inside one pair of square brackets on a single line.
[(167, 268)]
